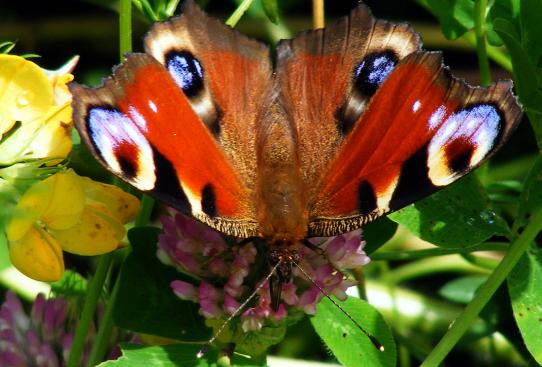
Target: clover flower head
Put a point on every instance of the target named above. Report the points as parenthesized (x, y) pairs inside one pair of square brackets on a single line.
[(225, 274), (45, 335)]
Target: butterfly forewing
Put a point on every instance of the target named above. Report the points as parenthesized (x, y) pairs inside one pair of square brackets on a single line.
[(421, 131), (327, 76), (140, 125)]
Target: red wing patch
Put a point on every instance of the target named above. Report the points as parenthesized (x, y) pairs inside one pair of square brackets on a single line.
[(142, 127), (421, 131)]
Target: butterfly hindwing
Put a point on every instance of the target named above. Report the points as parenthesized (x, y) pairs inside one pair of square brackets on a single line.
[(422, 130)]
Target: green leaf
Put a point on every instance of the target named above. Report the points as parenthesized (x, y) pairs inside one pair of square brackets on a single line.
[(6, 47), (458, 216), (145, 302), (506, 9), (4, 251), (531, 196), (378, 233), (461, 290), (525, 71), (71, 284), (271, 9), (526, 295), (349, 344), (455, 16), (531, 31), (172, 356)]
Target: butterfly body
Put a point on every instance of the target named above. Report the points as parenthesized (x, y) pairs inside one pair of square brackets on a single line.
[(354, 121)]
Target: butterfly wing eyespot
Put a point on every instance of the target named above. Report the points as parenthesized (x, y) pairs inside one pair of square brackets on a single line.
[(410, 142), (141, 127), (327, 77)]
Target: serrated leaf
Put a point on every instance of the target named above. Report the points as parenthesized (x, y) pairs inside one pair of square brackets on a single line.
[(145, 302), (172, 356), (526, 295), (462, 290), (378, 233), (458, 216), (349, 345), (271, 9)]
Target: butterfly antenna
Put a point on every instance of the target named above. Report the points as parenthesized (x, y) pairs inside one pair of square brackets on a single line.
[(206, 346), (373, 339)]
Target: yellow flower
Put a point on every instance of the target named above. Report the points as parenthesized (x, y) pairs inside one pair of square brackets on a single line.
[(35, 109), (66, 212)]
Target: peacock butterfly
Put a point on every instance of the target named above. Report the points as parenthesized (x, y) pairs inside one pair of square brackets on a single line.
[(353, 122)]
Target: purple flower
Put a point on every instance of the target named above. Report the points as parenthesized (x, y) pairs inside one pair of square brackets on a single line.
[(44, 337), (224, 276)]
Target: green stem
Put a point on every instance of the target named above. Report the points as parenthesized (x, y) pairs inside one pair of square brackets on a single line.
[(94, 290), (238, 13), (96, 284), (485, 292), (438, 251), (359, 275), (144, 216), (424, 267), (481, 261), (99, 347), (125, 27), (480, 9)]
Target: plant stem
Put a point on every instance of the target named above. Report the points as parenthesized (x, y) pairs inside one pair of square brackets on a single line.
[(125, 27), (484, 293), (424, 267), (318, 20), (238, 13), (96, 284), (480, 9), (438, 251), (99, 347), (94, 290), (144, 216)]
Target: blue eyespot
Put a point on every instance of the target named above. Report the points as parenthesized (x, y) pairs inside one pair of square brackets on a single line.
[(186, 70), (371, 72)]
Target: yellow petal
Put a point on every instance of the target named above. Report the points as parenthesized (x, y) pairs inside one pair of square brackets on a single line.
[(66, 202), (37, 255), (25, 91), (60, 78), (29, 209), (93, 235), (53, 137), (123, 206)]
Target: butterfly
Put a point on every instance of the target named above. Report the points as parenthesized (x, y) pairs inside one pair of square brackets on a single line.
[(353, 121)]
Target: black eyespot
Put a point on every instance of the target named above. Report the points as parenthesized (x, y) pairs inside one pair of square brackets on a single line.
[(371, 72), (127, 165), (208, 200), (414, 182), (186, 70), (366, 198), (167, 187)]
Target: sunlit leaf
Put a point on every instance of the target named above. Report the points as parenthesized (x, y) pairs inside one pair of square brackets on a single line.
[(458, 216), (526, 295), (348, 343), (173, 356)]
